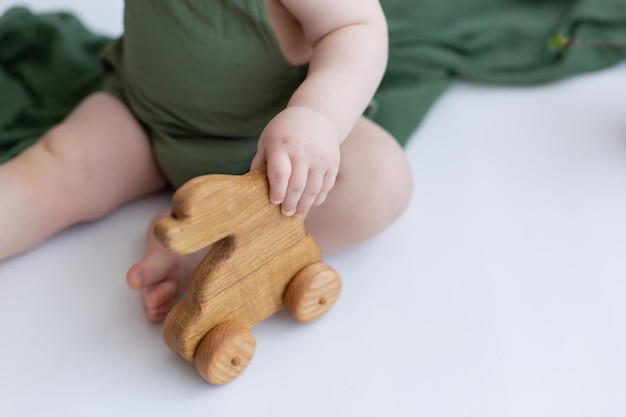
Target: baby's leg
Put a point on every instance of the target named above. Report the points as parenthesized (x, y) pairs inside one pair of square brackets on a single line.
[(372, 190), (95, 160)]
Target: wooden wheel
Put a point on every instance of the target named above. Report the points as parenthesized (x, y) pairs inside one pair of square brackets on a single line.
[(312, 292), (225, 352)]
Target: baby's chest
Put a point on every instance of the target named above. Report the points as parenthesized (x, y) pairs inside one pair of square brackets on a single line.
[(193, 42)]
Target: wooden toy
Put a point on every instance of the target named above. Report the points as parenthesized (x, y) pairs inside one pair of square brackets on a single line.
[(260, 260)]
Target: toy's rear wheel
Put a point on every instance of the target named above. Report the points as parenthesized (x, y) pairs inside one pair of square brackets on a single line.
[(225, 352), (312, 292)]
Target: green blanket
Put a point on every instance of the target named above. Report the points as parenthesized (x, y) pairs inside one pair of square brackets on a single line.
[(49, 62), (505, 42)]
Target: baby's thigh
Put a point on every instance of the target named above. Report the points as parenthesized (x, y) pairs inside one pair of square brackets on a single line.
[(100, 146)]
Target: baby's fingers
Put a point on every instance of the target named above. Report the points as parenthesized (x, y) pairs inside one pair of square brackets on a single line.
[(295, 189), (310, 194), (278, 174), (258, 160), (327, 184)]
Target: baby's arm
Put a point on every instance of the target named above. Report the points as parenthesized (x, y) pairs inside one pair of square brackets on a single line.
[(301, 144)]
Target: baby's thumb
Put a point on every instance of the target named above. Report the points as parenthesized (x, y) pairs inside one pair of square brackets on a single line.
[(258, 160)]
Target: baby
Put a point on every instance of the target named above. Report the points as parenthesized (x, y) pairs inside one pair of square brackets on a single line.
[(198, 87)]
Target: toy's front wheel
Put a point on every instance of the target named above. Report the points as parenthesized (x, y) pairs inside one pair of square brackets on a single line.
[(312, 292), (225, 352)]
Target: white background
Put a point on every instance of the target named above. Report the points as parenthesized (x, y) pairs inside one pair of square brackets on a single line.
[(500, 293)]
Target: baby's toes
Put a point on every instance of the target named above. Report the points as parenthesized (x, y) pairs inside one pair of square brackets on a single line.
[(156, 266), (159, 313), (159, 299)]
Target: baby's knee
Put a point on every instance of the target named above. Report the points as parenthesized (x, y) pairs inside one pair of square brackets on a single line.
[(68, 171), (57, 145), (381, 177), (394, 188), (403, 192)]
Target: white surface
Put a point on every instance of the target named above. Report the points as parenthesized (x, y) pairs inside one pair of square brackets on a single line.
[(499, 293)]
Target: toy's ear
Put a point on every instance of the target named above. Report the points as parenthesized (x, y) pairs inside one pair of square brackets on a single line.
[(202, 193)]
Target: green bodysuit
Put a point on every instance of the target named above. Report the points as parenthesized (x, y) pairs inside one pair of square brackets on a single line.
[(203, 77)]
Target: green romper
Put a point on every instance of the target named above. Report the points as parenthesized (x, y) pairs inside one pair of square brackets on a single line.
[(203, 77)]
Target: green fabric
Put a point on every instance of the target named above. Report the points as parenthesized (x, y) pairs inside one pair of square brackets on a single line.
[(49, 62), (433, 42), (205, 89)]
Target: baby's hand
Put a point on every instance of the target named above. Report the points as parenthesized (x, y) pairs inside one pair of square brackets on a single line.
[(301, 149)]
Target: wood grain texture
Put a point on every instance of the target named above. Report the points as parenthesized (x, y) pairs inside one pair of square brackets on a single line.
[(225, 352), (256, 253), (312, 292)]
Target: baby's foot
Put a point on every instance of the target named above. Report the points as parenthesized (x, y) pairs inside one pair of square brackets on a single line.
[(161, 278)]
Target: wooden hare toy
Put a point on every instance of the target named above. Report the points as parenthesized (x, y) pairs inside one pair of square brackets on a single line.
[(260, 260)]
